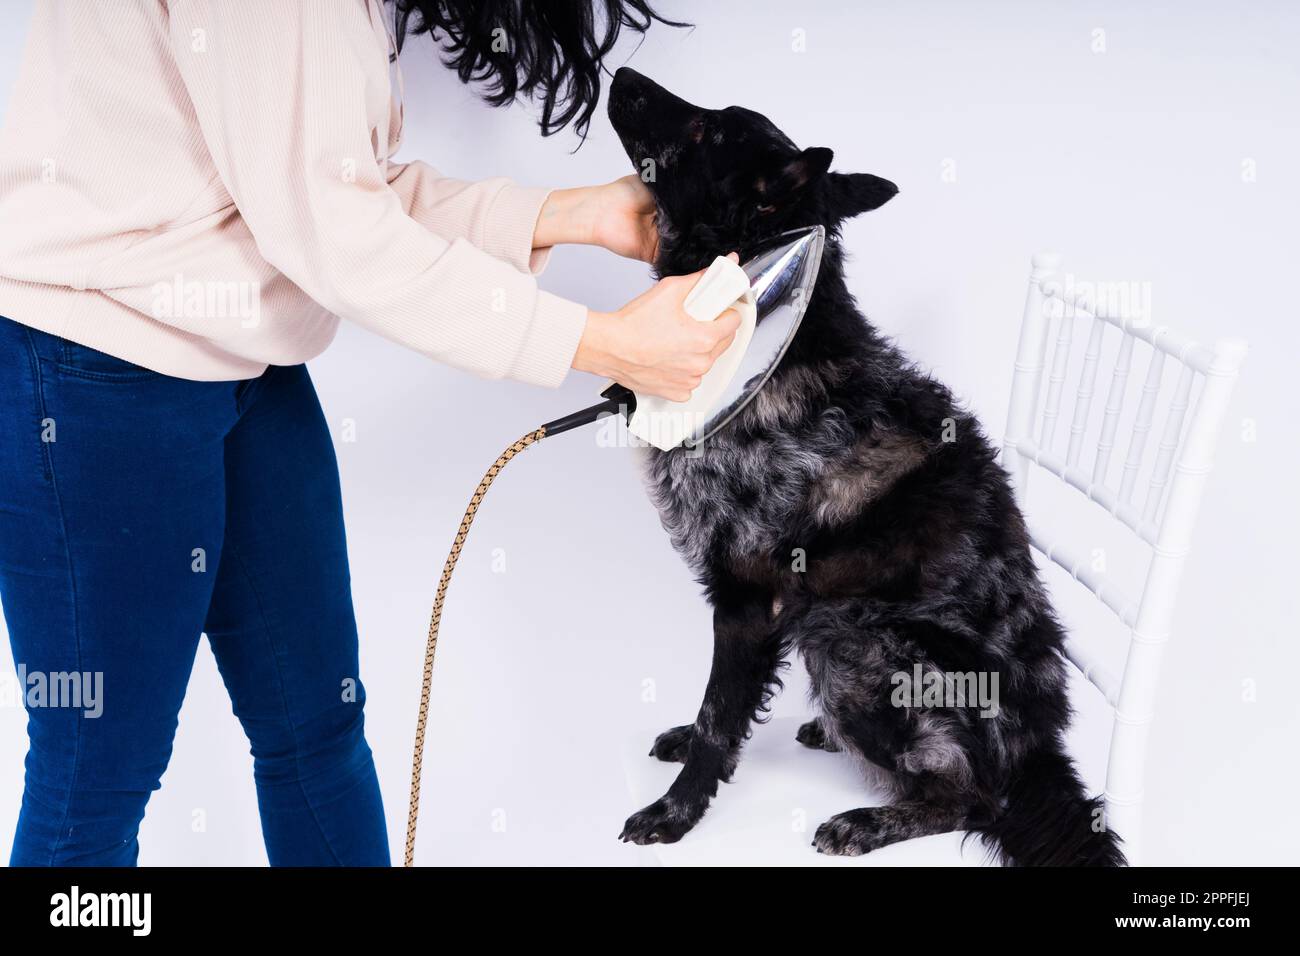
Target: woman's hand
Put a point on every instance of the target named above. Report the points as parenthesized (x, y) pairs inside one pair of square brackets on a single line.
[(620, 216), (626, 222), (651, 345)]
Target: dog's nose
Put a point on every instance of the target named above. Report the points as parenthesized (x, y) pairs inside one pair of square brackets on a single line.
[(626, 95), (624, 75), (626, 86)]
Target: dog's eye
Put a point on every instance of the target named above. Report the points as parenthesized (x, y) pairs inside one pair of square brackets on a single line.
[(695, 129)]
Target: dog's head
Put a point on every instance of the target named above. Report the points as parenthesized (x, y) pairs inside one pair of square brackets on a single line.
[(724, 179)]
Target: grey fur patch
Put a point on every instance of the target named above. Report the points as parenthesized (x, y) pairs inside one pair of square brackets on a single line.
[(874, 464), (741, 487), (936, 749)]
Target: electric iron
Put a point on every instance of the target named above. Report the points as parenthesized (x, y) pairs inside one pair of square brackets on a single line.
[(770, 290)]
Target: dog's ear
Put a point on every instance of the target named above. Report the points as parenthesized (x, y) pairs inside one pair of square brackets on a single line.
[(791, 177), (852, 194)]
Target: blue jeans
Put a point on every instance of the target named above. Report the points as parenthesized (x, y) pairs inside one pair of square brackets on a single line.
[(137, 511)]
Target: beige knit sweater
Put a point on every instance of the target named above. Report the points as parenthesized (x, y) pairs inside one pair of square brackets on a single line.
[(202, 187)]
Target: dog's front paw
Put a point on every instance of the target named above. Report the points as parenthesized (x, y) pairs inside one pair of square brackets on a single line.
[(813, 735), (671, 745), (850, 834), (664, 821)]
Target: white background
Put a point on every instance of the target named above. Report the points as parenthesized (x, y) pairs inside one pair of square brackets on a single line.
[(1128, 161)]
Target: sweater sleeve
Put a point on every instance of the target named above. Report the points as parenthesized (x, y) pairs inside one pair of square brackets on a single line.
[(496, 214), (281, 95)]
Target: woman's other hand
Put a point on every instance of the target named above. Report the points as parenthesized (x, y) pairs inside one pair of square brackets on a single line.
[(651, 345), (619, 216), (626, 224)]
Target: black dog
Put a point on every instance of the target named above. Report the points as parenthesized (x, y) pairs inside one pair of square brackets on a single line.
[(855, 513)]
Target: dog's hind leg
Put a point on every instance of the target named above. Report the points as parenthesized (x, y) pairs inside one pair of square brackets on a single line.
[(925, 752), (746, 654), (855, 832), (924, 764)]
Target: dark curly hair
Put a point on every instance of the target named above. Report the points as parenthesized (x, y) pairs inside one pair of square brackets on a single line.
[(550, 51)]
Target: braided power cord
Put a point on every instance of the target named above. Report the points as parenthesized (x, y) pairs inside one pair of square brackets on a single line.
[(435, 619)]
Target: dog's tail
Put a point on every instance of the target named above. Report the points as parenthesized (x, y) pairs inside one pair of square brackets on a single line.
[(1049, 819)]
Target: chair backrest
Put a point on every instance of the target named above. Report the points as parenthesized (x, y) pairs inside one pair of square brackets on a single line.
[(1164, 516)]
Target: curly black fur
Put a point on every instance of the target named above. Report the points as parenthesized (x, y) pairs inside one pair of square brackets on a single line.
[(854, 512), (551, 52)]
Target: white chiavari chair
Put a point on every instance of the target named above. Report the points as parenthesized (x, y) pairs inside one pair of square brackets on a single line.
[(1160, 519)]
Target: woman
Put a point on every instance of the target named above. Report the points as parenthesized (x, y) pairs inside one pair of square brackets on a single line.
[(191, 193)]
